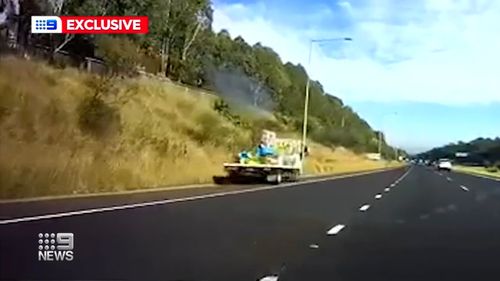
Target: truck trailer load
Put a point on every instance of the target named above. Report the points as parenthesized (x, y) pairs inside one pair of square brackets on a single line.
[(274, 159)]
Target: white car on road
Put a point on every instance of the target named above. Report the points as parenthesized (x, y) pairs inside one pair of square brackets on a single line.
[(444, 164)]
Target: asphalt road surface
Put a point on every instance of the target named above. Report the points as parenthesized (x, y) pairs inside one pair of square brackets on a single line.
[(403, 224)]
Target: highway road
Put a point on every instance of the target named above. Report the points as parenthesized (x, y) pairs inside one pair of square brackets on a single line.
[(410, 223)]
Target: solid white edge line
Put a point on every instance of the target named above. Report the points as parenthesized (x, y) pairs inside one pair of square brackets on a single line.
[(364, 208), (177, 200), (464, 187), (477, 175), (335, 230), (173, 188)]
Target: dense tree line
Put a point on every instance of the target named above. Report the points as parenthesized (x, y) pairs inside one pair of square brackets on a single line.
[(481, 151), (182, 45)]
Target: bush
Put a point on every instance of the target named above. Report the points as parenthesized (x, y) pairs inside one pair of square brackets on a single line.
[(492, 169), (497, 164), (209, 129), (97, 118), (223, 109), (121, 54)]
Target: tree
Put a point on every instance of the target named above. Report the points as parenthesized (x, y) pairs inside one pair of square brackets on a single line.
[(182, 43)]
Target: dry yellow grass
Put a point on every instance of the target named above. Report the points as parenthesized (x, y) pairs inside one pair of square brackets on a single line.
[(44, 152), (324, 160), (168, 135), (476, 170)]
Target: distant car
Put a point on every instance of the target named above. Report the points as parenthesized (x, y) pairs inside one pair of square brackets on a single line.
[(444, 164)]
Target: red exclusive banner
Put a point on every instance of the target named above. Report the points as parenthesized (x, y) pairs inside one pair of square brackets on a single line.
[(104, 24)]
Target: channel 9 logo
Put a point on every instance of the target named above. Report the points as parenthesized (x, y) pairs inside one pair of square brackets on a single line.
[(46, 24), (55, 246)]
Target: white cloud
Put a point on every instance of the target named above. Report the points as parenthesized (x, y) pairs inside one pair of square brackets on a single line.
[(440, 51)]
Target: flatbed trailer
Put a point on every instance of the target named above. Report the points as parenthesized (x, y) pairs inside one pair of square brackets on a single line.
[(285, 163), (271, 173)]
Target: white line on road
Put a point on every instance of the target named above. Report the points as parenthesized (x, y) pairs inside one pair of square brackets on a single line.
[(464, 188), (269, 278), (387, 189), (402, 177), (314, 246), (378, 196), (364, 208), (176, 200), (479, 176), (336, 229), (449, 179)]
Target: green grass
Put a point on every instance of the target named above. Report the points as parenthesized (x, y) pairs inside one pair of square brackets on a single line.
[(477, 170)]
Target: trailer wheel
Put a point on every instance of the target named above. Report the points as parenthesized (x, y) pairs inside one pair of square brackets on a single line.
[(279, 177), (275, 178)]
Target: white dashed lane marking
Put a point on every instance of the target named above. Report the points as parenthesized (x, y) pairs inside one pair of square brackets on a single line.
[(378, 196), (463, 187), (364, 208), (387, 189), (270, 278), (449, 179), (336, 229)]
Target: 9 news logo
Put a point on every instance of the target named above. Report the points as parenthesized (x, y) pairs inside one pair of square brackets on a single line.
[(55, 246), (90, 24), (46, 24)]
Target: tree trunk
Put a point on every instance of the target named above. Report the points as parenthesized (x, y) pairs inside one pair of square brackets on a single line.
[(67, 38), (190, 42), (168, 66), (167, 40), (162, 56)]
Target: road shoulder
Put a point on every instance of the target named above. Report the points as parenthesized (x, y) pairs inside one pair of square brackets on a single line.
[(121, 201)]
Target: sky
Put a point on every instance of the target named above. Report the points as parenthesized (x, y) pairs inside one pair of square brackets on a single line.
[(423, 71)]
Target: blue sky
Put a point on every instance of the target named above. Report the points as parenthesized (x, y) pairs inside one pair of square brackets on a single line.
[(424, 71)]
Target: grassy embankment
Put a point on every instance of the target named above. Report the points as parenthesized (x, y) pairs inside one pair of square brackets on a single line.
[(477, 170), (67, 132)]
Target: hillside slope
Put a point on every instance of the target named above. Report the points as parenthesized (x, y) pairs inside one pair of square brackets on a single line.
[(66, 132), (183, 45)]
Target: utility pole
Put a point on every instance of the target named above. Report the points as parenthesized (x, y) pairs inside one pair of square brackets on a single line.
[(380, 143), (308, 85)]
